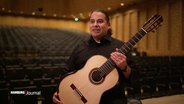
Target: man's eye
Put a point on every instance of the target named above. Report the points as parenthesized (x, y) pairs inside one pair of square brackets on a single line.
[(100, 21)]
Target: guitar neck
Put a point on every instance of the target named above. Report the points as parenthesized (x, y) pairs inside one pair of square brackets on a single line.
[(109, 64), (132, 41)]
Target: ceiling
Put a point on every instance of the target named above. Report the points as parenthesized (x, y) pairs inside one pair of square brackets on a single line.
[(68, 9)]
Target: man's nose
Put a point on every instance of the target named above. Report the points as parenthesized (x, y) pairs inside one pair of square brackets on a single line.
[(96, 23)]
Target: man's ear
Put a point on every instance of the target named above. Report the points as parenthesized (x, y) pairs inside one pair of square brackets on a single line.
[(109, 26)]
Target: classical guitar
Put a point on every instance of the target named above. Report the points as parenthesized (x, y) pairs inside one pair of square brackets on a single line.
[(99, 74)]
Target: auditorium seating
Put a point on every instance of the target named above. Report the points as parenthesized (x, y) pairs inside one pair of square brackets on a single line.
[(159, 76), (34, 59)]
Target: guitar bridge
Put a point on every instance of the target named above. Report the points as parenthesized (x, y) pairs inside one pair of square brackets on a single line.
[(84, 100)]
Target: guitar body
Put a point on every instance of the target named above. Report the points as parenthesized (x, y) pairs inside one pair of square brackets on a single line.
[(77, 88)]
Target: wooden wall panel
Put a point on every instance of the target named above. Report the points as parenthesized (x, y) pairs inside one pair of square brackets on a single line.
[(126, 26), (168, 39), (119, 20), (175, 33), (143, 43), (152, 36), (114, 26), (163, 29)]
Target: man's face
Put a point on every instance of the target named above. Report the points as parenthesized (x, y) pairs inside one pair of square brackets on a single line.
[(98, 25)]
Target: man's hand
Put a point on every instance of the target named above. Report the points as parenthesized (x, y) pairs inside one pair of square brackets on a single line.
[(55, 98), (119, 59), (121, 62)]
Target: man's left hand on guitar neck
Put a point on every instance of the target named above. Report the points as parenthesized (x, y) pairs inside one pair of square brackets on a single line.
[(121, 62)]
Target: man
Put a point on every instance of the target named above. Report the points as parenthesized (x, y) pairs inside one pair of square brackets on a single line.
[(101, 43)]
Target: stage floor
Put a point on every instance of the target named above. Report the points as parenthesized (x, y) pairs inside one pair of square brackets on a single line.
[(173, 99)]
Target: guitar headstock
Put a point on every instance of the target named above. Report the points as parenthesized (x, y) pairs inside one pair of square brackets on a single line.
[(153, 23)]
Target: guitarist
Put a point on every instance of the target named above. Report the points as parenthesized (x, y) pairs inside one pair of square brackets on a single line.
[(101, 43)]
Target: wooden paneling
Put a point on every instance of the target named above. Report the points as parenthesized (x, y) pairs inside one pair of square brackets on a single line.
[(168, 39)]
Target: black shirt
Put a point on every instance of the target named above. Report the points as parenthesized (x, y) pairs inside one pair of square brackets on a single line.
[(89, 48)]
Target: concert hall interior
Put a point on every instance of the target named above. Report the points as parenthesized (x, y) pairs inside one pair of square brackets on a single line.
[(37, 38)]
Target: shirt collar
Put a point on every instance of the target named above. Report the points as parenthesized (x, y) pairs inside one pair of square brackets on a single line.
[(105, 39)]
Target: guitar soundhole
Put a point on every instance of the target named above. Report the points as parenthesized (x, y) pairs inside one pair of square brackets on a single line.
[(95, 76)]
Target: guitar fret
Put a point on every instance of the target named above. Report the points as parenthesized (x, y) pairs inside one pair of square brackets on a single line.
[(110, 65), (130, 44), (140, 34), (124, 48), (127, 47), (136, 38), (104, 69), (132, 41), (120, 51), (101, 69), (107, 67)]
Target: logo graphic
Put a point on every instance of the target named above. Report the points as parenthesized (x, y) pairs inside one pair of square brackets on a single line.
[(25, 92)]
